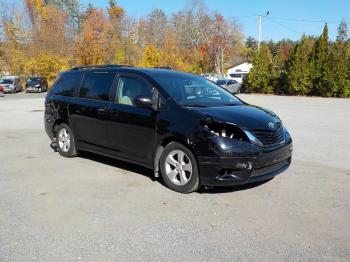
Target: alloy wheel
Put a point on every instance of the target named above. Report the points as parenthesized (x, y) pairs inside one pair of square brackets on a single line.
[(64, 140), (178, 167)]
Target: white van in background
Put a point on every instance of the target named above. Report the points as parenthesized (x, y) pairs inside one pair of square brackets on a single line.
[(239, 72), (11, 84)]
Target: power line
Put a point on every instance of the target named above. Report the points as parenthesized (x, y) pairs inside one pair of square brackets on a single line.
[(285, 26), (308, 20)]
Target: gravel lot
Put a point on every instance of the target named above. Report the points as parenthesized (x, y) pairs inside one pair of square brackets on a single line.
[(97, 209)]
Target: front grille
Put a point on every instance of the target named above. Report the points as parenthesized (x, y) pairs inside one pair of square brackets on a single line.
[(269, 137)]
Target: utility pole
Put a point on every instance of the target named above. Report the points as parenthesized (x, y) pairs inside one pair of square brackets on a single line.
[(260, 26), (259, 36)]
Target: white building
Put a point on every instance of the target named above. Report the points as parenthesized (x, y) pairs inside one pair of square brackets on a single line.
[(239, 72)]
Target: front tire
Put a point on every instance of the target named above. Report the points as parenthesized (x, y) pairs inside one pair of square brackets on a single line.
[(179, 168), (65, 141)]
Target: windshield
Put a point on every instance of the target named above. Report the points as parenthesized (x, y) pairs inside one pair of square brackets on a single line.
[(6, 81), (33, 80), (221, 82), (190, 90)]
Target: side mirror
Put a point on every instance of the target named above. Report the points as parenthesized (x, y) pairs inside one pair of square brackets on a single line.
[(143, 101)]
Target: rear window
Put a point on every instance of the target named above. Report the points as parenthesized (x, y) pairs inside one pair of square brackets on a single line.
[(97, 85), (67, 83)]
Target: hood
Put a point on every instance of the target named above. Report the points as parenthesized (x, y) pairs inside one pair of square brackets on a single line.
[(245, 116)]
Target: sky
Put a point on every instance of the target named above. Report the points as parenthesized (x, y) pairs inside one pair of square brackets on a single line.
[(286, 19), (276, 26)]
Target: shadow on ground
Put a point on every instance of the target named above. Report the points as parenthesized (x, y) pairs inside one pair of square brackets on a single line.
[(149, 173)]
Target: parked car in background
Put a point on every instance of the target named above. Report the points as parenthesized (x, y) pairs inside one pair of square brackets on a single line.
[(210, 77), (2, 91), (230, 85), (11, 84), (187, 129), (36, 84)]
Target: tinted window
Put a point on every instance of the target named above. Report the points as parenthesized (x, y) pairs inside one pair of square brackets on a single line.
[(34, 80), (190, 90), (6, 81), (129, 88), (221, 82), (236, 75), (66, 84), (97, 85), (231, 82)]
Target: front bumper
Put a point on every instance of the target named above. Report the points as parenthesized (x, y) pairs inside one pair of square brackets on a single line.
[(233, 162), (33, 89), (9, 90)]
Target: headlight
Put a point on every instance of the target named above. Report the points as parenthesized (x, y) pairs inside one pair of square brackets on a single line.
[(225, 130), (252, 138)]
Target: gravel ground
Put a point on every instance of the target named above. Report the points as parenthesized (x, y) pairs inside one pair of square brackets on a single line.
[(93, 208)]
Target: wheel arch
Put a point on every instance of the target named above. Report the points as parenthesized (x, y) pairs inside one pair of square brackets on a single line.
[(160, 148), (57, 123)]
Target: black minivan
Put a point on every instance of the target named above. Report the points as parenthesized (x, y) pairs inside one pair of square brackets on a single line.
[(189, 130)]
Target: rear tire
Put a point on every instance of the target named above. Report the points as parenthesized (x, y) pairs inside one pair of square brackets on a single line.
[(179, 168), (66, 145)]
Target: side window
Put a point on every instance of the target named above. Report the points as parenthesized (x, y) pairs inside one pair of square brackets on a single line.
[(129, 88), (67, 83), (97, 85)]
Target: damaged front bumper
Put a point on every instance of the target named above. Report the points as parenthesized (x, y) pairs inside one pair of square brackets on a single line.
[(232, 162)]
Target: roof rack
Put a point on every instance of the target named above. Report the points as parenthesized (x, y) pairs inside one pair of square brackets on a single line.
[(97, 66)]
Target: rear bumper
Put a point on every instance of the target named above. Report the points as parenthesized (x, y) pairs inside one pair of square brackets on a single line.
[(242, 166)]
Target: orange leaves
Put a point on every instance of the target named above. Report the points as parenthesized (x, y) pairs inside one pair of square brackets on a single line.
[(115, 11), (94, 41), (34, 8), (190, 40)]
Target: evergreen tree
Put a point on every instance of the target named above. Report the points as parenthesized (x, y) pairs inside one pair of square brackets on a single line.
[(321, 73), (298, 69), (342, 31), (251, 46), (260, 77), (339, 58)]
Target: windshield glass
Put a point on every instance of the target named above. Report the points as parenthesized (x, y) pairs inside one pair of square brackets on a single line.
[(221, 82), (34, 80), (6, 81), (190, 90)]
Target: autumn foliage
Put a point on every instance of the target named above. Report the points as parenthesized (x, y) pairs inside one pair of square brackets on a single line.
[(46, 37)]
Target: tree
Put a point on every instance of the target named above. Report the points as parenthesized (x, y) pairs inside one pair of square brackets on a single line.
[(251, 45), (339, 82), (93, 46), (151, 57), (321, 72), (342, 31), (298, 69), (259, 78)]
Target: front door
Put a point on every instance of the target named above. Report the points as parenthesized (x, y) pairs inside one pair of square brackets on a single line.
[(131, 128)]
